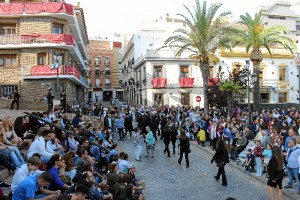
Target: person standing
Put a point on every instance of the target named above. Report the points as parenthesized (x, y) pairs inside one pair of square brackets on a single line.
[(184, 145), (292, 163), (174, 135), (63, 101), (167, 138), (137, 140), (275, 172), (258, 156), (150, 142), (50, 98), (221, 159), (120, 127), (16, 97), (128, 124)]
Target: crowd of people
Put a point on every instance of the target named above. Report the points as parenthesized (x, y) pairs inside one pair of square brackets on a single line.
[(78, 158)]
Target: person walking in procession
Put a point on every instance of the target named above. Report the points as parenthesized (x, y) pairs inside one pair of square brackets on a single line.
[(184, 145), (50, 98), (221, 159)]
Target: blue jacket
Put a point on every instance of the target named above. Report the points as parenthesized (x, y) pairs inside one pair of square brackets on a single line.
[(292, 157)]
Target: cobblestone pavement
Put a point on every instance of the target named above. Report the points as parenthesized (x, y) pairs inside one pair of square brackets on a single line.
[(167, 180), (12, 113)]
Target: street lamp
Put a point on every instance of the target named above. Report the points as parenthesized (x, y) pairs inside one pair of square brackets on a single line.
[(56, 66), (248, 79)]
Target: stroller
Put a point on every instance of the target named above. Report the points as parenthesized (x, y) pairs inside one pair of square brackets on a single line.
[(243, 155)]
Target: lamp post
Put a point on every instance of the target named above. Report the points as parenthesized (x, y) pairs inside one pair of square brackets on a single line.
[(56, 66), (248, 79)]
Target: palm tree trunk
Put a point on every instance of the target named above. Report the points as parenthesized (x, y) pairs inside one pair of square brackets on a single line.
[(229, 104), (204, 68), (256, 57)]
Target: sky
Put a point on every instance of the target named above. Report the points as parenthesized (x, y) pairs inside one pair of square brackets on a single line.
[(106, 17)]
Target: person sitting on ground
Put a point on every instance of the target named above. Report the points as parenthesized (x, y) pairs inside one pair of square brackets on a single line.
[(55, 163), (119, 189), (70, 168), (53, 144), (249, 162), (124, 164), (11, 136), (112, 176), (28, 187), (81, 193), (81, 162), (31, 168), (39, 146), (94, 191), (240, 146), (10, 151)]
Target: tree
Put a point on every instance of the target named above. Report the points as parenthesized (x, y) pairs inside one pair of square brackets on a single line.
[(205, 34), (254, 34), (230, 88)]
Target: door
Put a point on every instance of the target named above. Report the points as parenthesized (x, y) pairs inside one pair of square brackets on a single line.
[(107, 95)]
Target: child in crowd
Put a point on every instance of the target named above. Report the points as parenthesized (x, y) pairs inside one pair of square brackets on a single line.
[(249, 161), (201, 136)]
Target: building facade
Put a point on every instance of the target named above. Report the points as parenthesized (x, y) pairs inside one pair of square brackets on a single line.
[(36, 36), (104, 64)]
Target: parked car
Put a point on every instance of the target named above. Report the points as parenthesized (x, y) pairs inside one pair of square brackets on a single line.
[(122, 104)]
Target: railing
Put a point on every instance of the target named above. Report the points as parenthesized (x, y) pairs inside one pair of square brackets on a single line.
[(37, 38), (35, 8), (44, 70), (273, 82)]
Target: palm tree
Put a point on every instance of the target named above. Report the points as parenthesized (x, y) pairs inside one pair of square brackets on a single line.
[(230, 88), (254, 34), (205, 34)]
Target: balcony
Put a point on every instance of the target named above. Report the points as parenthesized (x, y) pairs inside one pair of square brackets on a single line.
[(35, 8), (186, 82), (64, 39), (159, 82), (44, 72), (273, 83)]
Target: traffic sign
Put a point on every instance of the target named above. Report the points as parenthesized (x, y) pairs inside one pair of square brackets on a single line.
[(198, 98)]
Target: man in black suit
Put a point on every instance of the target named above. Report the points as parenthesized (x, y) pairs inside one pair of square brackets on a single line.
[(50, 98), (16, 97)]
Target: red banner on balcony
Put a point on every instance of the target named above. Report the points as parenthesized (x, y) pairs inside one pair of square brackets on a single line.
[(159, 82), (212, 81), (44, 70), (11, 8), (54, 38), (186, 82), (34, 8)]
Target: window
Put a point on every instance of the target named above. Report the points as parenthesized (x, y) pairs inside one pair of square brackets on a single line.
[(8, 60), (58, 28), (158, 99), (185, 98), (107, 73), (184, 71), (282, 74), (42, 59), (7, 29), (98, 82), (107, 61), (97, 72), (97, 61), (282, 97), (157, 72)]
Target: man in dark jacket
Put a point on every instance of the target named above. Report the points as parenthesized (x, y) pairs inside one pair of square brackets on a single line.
[(128, 125), (167, 138), (16, 98), (50, 98)]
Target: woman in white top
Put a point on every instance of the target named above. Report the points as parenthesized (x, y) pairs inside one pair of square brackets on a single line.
[(11, 136)]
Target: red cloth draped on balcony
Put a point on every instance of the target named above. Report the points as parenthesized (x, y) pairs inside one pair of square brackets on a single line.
[(44, 70), (34, 8), (159, 82), (9, 9), (186, 82), (71, 70), (55, 38), (212, 81)]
